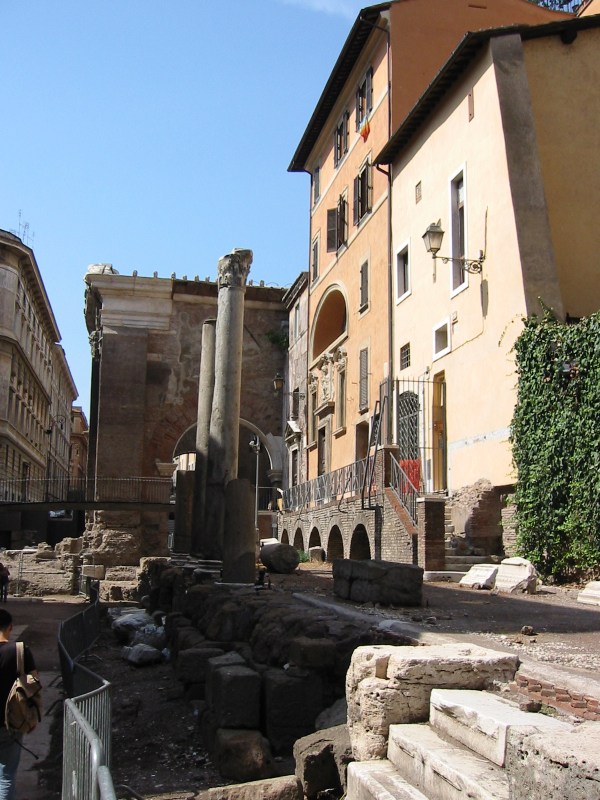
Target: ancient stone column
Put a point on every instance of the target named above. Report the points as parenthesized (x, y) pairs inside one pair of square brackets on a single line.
[(201, 543), (225, 417)]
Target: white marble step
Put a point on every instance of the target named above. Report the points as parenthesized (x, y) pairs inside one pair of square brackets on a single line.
[(481, 720), (443, 770), (378, 780)]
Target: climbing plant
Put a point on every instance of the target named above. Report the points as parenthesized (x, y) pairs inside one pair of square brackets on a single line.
[(556, 445)]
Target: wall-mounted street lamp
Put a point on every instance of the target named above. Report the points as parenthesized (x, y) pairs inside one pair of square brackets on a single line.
[(278, 383), (432, 239)]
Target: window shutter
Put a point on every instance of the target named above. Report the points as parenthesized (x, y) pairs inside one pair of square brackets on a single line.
[(331, 229), (364, 284), (345, 133), (363, 379), (369, 91), (356, 203), (358, 114), (341, 222)]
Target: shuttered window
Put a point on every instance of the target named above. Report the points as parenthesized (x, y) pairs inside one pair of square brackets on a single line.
[(363, 389), (362, 193)]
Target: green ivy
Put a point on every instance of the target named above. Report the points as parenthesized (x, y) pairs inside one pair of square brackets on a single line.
[(279, 339), (556, 445)]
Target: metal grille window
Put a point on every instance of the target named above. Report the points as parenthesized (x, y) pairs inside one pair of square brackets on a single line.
[(405, 356), (363, 381)]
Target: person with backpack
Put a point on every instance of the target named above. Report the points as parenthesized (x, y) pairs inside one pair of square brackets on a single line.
[(10, 743)]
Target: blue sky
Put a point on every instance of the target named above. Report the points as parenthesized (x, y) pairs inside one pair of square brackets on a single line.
[(156, 135)]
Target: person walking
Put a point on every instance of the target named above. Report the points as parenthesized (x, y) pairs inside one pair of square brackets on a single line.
[(10, 743), (4, 579)]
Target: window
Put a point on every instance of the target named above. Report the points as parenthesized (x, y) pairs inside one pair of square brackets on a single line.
[(402, 274), (441, 339), (363, 380), (337, 225), (296, 328), (314, 267), (405, 356), (457, 217), (364, 98), (362, 193), (316, 184), (418, 192), (295, 409), (340, 139), (312, 416), (364, 285), (294, 469), (340, 403)]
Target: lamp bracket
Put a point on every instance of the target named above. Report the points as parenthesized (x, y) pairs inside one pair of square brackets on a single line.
[(472, 265)]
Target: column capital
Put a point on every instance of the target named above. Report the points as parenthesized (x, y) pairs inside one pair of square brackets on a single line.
[(234, 268)]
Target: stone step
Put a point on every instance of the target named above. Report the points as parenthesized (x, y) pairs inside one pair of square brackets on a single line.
[(441, 769), (378, 780), (481, 720)]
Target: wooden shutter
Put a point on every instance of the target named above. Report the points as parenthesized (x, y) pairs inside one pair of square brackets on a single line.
[(363, 396), (356, 202), (369, 92), (331, 229)]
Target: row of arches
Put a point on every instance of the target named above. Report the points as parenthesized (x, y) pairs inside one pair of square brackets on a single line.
[(357, 548)]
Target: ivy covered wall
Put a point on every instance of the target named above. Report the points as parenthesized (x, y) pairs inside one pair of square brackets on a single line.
[(556, 445)]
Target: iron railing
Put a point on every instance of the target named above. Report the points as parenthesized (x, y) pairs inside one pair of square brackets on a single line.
[(344, 482), (80, 490), (404, 488)]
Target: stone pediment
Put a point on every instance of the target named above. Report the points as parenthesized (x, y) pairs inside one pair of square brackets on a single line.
[(293, 433)]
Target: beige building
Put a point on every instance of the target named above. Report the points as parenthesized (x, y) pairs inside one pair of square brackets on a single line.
[(392, 53), (501, 153), (36, 393), (79, 444)]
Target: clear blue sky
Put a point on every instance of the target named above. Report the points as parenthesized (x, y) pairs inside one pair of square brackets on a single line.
[(156, 135)]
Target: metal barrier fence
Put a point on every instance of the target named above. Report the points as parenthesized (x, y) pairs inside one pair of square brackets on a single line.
[(79, 490), (87, 716)]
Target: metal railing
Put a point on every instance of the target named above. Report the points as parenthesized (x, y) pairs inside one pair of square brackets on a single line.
[(80, 490), (404, 488), (344, 482), (87, 718)]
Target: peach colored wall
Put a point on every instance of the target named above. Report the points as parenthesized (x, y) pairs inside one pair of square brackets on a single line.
[(434, 28), (365, 242), (564, 83), (592, 8), (479, 368)]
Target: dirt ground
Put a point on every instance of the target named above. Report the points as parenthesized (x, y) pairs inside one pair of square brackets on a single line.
[(157, 748)]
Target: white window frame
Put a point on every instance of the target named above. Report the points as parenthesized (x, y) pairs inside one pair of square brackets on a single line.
[(403, 248), (459, 174), (315, 257), (445, 323)]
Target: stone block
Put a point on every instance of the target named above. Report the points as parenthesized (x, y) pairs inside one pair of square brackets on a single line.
[(480, 576), (94, 571), (384, 582), (318, 654), (481, 721), (235, 697), (185, 637), (216, 663), (321, 761), (242, 755), (387, 685), (379, 779), (121, 573), (316, 554), (292, 703), (190, 665), (555, 765), (287, 787), (590, 594), (516, 575)]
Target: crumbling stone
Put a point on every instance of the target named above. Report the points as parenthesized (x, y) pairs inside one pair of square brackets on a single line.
[(243, 755), (321, 761), (287, 787), (382, 582)]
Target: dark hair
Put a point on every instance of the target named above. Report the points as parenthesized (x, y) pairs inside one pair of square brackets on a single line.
[(5, 619)]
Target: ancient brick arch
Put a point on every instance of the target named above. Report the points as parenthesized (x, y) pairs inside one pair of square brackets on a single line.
[(335, 544), (360, 547), (315, 538), (298, 539), (285, 538)]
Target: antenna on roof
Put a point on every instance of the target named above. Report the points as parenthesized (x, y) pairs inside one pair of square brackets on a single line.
[(23, 233)]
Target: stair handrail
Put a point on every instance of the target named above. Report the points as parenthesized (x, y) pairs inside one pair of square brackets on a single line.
[(404, 489)]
